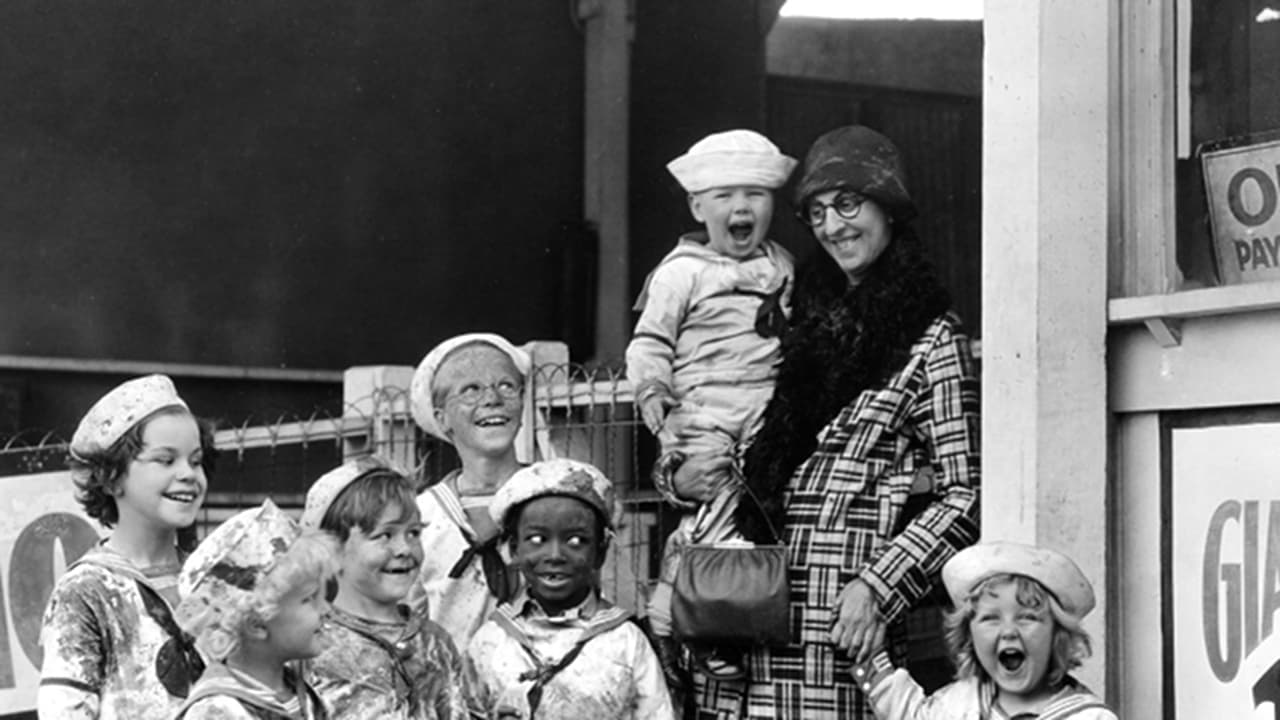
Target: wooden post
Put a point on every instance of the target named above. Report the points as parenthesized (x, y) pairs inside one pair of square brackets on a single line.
[(1046, 131), (1144, 257), (607, 26)]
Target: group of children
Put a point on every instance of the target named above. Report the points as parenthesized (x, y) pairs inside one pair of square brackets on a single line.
[(325, 618), (270, 618)]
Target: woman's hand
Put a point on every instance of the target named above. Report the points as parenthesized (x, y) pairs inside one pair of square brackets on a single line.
[(856, 625), (700, 477)]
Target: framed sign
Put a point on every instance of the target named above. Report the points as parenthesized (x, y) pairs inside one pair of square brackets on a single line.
[(1242, 186), (1221, 564), (42, 530)]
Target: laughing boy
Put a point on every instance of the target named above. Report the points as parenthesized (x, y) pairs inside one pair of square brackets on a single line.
[(384, 659), (704, 355)]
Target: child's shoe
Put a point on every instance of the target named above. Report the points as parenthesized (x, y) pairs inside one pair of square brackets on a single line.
[(721, 662), (668, 649)]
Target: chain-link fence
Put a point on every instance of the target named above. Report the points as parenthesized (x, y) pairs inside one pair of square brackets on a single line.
[(571, 411)]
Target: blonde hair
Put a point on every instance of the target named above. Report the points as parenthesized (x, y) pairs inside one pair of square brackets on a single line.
[(1070, 642), (217, 625)]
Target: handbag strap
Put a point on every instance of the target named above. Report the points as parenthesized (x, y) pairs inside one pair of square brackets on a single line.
[(740, 476)]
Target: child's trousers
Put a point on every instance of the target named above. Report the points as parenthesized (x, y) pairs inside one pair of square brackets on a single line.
[(715, 419)]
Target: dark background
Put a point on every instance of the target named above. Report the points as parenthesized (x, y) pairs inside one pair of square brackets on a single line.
[(323, 184)]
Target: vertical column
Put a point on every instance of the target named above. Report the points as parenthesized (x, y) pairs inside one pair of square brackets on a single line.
[(607, 26), (1144, 255), (1045, 209)]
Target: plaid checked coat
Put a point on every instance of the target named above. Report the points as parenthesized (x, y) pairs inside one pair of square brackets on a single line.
[(844, 505)]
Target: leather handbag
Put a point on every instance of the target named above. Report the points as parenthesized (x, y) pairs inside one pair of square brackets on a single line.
[(735, 592)]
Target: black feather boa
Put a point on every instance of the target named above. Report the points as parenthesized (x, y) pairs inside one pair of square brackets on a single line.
[(840, 341)]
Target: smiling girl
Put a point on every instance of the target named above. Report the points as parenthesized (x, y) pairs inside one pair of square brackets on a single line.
[(384, 659), (111, 646), (1015, 634)]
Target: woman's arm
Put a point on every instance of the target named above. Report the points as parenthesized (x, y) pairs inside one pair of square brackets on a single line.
[(945, 417)]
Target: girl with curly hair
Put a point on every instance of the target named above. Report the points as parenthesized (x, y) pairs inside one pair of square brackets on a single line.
[(111, 648), (253, 597), (1015, 635)]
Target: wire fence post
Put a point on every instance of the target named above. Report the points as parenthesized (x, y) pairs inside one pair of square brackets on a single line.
[(380, 394), (534, 439)]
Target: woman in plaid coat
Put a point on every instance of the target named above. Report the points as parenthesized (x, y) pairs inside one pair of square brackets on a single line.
[(877, 399)]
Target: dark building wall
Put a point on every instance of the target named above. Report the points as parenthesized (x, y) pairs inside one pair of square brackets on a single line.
[(920, 83), (307, 184), (697, 68), (322, 184)]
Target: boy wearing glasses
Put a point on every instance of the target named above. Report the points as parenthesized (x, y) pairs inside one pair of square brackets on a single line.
[(704, 354), (468, 392)]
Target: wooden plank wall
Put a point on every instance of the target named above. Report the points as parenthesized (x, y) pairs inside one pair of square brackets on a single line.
[(940, 137)]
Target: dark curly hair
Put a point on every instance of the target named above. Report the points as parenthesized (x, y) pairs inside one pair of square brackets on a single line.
[(97, 478), (841, 340)]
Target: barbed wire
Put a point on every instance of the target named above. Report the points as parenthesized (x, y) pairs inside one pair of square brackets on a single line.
[(552, 386), (579, 411)]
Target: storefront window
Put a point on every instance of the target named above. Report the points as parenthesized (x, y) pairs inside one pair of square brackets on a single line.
[(1229, 96)]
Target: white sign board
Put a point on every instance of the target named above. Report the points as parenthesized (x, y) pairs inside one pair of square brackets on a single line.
[(42, 529), (1224, 494)]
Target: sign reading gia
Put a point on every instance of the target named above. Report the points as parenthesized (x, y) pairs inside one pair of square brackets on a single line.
[(1242, 186), (42, 530), (1225, 560)]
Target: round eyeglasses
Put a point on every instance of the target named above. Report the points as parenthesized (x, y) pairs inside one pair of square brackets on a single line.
[(475, 393), (846, 204)]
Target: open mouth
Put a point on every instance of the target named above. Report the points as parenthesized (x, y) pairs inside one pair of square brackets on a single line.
[(400, 570), (181, 497), (741, 231), (492, 422), (553, 579), (1011, 659)]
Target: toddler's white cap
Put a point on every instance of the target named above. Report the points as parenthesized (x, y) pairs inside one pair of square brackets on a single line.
[(732, 158)]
